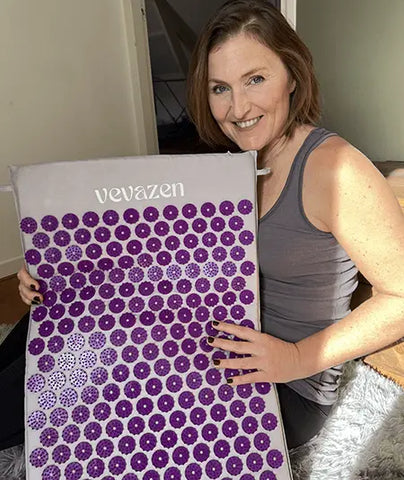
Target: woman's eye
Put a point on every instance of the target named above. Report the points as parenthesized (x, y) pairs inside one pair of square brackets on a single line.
[(256, 80), (218, 89)]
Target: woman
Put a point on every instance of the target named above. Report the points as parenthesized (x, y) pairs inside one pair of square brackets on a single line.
[(324, 212)]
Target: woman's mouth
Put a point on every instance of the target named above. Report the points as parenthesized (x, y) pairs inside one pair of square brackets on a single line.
[(248, 123)]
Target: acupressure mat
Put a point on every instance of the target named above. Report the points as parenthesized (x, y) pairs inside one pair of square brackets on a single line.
[(135, 257)]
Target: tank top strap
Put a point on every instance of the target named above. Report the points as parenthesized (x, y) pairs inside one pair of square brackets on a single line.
[(290, 204), (288, 208), (315, 138)]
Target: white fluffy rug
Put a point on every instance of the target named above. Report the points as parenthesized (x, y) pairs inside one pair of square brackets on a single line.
[(12, 463), (362, 439)]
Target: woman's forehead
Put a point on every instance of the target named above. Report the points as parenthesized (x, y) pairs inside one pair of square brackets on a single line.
[(240, 54)]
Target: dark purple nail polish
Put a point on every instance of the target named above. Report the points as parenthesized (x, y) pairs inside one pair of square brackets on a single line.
[(210, 339), (33, 287), (229, 380), (215, 323), (216, 362)]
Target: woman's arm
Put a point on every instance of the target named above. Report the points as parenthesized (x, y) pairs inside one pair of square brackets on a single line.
[(366, 219), (353, 199)]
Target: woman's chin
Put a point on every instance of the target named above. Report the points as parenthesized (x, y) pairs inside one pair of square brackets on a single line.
[(250, 141), (250, 145)]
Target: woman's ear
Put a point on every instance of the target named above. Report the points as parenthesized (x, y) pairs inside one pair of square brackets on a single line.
[(292, 86)]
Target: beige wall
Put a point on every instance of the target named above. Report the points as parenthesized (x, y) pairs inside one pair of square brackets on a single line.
[(358, 49), (73, 85)]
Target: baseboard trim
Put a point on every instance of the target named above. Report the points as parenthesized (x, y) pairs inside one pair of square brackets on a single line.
[(10, 266)]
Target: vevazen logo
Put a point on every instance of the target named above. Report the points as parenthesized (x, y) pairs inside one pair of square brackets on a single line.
[(141, 192)]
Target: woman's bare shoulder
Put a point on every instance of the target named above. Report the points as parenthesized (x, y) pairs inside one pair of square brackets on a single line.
[(337, 177), (336, 153), (337, 163)]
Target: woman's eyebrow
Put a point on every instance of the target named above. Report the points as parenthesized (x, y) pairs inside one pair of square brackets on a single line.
[(253, 72), (247, 74)]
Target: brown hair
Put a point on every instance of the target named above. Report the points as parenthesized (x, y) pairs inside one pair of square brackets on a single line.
[(259, 19)]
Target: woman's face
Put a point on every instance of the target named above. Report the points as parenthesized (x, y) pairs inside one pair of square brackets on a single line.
[(249, 89)]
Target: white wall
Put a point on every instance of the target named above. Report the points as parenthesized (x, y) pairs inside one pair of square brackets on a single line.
[(70, 88), (358, 49)]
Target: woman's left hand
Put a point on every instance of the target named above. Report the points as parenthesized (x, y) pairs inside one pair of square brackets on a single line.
[(276, 361)]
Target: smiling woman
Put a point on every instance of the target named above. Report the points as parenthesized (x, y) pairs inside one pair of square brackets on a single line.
[(218, 67), (325, 212), (250, 102)]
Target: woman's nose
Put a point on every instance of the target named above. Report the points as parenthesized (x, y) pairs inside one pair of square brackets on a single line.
[(240, 105)]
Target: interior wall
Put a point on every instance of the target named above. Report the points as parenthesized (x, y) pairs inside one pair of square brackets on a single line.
[(358, 53), (65, 91)]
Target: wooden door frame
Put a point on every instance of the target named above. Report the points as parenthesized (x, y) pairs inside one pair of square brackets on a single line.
[(288, 10), (137, 43)]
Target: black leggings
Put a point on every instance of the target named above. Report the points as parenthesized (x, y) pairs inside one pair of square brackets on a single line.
[(302, 418), (12, 372)]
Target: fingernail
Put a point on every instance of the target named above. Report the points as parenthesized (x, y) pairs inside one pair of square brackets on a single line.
[(37, 299), (215, 323), (229, 380), (34, 302), (33, 287), (216, 362), (210, 339)]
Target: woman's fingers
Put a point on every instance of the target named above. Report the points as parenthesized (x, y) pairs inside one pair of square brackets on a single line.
[(28, 296), (24, 296), (25, 278), (231, 345), (254, 377), (28, 288), (244, 333), (246, 363), (274, 359)]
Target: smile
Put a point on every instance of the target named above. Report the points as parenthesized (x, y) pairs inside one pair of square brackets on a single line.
[(248, 123)]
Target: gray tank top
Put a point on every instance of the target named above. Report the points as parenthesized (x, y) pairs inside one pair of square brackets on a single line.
[(306, 277)]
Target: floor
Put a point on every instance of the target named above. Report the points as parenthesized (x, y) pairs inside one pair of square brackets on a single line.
[(12, 307)]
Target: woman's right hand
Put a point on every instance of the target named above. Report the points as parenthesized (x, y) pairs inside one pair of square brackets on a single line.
[(28, 288)]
